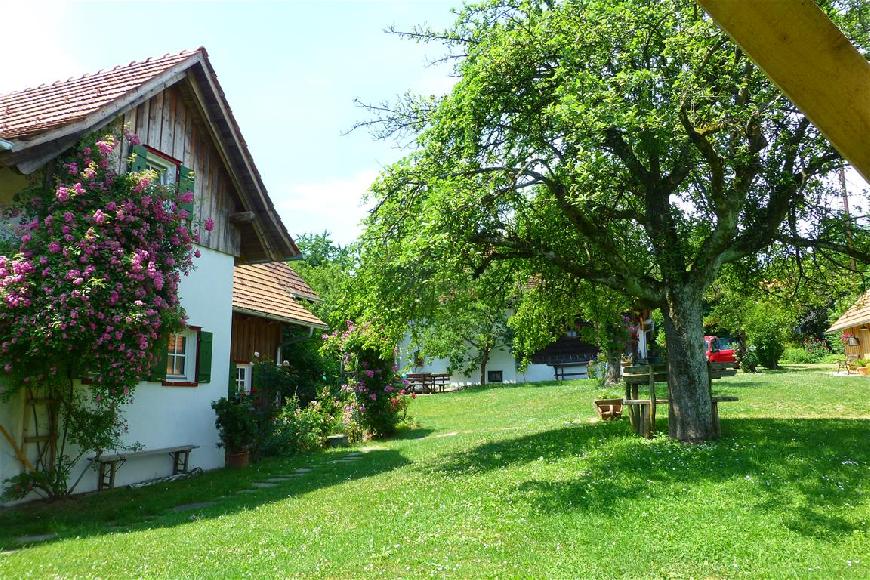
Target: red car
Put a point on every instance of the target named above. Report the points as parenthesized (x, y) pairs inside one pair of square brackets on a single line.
[(719, 350)]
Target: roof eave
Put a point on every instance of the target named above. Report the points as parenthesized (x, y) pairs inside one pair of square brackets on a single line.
[(277, 318)]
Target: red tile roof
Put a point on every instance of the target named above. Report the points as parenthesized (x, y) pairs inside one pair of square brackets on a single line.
[(272, 290), (33, 111)]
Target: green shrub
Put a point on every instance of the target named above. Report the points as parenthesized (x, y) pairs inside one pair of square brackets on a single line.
[(799, 355), (749, 362), (832, 358), (298, 427), (236, 423)]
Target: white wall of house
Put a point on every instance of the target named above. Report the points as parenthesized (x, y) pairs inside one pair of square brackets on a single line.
[(161, 416), (501, 359)]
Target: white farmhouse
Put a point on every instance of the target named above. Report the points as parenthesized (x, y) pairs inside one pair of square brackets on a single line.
[(175, 105)]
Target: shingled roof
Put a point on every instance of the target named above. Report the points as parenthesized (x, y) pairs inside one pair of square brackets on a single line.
[(273, 291), (38, 124), (30, 112), (857, 315)]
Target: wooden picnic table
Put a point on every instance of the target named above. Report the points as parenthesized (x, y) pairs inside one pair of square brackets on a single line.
[(428, 382), (563, 369)]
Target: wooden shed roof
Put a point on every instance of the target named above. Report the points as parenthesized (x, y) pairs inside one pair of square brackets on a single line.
[(41, 122), (273, 291), (858, 314)]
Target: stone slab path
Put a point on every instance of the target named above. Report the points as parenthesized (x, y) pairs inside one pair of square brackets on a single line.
[(187, 507)]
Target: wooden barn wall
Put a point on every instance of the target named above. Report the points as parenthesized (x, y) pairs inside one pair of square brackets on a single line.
[(252, 334), (171, 123), (862, 349)]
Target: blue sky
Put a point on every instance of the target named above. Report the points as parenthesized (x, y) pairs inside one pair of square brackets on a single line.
[(291, 71)]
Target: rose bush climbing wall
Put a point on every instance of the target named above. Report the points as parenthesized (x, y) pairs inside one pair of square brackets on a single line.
[(91, 289)]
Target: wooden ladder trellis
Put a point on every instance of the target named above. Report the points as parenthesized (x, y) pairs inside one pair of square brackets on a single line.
[(38, 431)]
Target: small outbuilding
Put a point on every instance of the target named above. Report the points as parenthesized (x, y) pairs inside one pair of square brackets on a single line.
[(267, 300), (854, 326)]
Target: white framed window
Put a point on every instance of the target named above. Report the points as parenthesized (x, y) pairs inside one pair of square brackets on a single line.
[(243, 377), (181, 357), (167, 171)]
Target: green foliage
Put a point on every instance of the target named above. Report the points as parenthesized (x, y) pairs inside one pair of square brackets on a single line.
[(799, 355), (749, 361), (768, 343), (309, 368), (330, 271), (298, 428), (627, 143), (236, 423)]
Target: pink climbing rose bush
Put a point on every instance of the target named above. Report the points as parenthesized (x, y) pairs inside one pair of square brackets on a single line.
[(377, 395), (94, 281)]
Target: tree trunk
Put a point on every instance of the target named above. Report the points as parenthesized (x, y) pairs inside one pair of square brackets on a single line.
[(690, 416), (483, 362), (614, 359)]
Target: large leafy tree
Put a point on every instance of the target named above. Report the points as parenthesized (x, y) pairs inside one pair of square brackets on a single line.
[(627, 143)]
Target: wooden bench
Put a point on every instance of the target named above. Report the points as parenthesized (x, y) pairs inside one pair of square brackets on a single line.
[(642, 412), (847, 364), (108, 464), (647, 416), (562, 370), (428, 382)]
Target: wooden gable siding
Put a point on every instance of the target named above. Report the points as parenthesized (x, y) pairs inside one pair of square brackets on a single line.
[(171, 123), (252, 334), (862, 349)]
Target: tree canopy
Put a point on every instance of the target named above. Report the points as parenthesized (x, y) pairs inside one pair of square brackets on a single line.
[(625, 143)]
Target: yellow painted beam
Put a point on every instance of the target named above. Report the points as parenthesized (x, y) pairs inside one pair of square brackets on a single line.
[(801, 50)]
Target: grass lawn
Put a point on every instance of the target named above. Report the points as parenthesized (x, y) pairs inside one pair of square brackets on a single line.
[(509, 481)]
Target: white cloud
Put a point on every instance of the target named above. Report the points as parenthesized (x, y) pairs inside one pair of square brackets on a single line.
[(35, 44), (335, 205)]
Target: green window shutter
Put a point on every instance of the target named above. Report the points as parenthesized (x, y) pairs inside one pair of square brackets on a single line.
[(161, 349), (231, 386), (203, 374), (138, 158), (185, 184)]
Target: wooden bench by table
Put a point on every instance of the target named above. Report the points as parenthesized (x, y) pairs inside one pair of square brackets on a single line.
[(108, 464), (642, 412), (647, 415), (562, 370)]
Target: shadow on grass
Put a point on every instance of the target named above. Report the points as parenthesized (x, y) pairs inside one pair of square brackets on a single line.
[(801, 469), (153, 507), (469, 389), (412, 433)]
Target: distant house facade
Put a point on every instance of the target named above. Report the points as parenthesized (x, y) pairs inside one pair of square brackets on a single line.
[(854, 328), (176, 107), (568, 352), (267, 300)]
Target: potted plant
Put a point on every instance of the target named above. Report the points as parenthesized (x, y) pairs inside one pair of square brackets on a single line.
[(238, 429), (608, 405), (862, 365)]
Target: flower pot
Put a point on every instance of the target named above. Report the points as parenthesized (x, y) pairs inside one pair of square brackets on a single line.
[(864, 371), (238, 459), (608, 409)]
